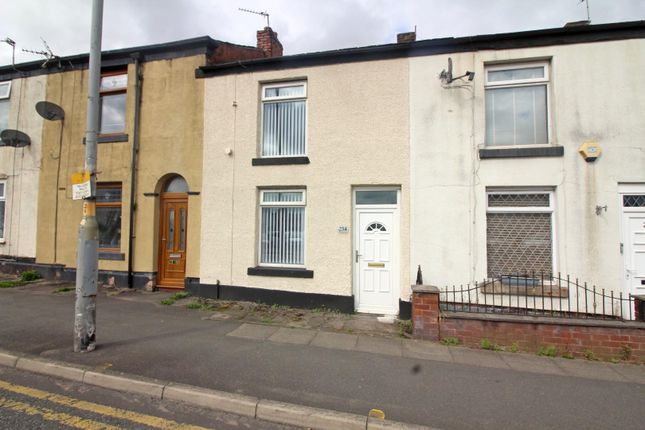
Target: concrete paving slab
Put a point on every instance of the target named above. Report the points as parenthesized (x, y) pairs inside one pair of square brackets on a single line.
[(8, 359), (296, 336), (379, 345), (533, 364), (426, 351), (307, 417), (51, 369), (474, 357), (253, 331), (220, 400), (631, 372), (589, 369), (335, 340)]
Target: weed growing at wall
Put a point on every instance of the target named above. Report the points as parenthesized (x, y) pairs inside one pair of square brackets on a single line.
[(450, 341), (548, 351)]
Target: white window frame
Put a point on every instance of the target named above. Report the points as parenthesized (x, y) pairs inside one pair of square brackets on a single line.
[(302, 203), (528, 209), (7, 93), (516, 83), (264, 100), (3, 197)]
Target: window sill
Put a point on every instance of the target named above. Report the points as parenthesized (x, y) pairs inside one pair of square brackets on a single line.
[(109, 138), (544, 151), (280, 271), (116, 256), (279, 161)]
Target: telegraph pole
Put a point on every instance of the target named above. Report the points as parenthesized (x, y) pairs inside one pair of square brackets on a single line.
[(88, 232)]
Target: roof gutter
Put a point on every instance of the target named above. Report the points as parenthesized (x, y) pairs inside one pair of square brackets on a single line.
[(534, 38)]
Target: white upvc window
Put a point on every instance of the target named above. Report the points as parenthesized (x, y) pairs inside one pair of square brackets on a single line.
[(3, 201), (5, 93), (282, 228), (519, 232), (284, 119), (517, 105)]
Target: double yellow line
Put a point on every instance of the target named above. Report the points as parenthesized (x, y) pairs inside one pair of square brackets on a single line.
[(79, 422)]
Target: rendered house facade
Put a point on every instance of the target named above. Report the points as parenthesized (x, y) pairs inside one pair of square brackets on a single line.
[(20, 166), (294, 158), (503, 153)]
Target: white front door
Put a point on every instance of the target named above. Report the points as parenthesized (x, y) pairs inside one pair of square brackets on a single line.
[(634, 242), (376, 261)]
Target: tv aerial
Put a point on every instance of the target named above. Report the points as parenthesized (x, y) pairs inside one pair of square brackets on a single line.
[(264, 14), (47, 53), (447, 78)]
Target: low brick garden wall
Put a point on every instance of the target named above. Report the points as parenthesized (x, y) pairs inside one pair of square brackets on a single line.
[(601, 339)]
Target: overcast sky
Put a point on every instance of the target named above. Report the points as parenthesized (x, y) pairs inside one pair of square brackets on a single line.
[(302, 25)]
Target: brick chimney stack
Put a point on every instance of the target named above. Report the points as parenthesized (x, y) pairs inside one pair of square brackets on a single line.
[(269, 43), (406, 37)]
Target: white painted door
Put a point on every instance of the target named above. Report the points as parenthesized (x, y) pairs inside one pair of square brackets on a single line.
[(376, 261), (634, 247)]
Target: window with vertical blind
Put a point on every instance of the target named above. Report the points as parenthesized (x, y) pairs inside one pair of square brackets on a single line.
[(282, 228), (284, 119)]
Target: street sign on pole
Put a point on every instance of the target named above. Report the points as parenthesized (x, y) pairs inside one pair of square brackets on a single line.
[(81, 187)]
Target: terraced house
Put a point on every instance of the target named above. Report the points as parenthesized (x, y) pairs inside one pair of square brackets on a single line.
[(149, 170), (331, 177), (328, 178)]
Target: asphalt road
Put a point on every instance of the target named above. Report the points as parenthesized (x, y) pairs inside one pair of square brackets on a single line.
[(30, 401), (175, 344)]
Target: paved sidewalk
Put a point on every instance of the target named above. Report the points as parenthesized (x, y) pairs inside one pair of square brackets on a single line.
[(412, 381)]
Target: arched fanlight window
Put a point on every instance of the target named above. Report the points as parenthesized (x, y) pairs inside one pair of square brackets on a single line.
[(376, 226), (176, 185)]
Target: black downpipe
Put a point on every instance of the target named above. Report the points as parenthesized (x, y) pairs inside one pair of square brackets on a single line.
[(133, 166)]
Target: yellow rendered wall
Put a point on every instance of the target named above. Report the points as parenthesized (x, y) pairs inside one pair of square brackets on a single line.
[(170, 143)]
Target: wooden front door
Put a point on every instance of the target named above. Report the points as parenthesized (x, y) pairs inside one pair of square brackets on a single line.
[(172, 239)]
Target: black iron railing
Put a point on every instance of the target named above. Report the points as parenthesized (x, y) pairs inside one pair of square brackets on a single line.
[(538, 295)]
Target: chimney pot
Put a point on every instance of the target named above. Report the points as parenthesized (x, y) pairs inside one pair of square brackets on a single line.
[(410, 36)]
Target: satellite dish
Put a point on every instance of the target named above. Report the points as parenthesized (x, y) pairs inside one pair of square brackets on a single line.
[(50, 111), (14, 138)]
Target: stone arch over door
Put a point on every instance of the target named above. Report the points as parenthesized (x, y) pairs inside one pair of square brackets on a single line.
[(173, 237)]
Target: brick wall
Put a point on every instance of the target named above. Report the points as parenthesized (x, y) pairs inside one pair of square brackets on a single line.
[(639, 308), (600, 339), (228, 52), (267, 41), (425, 312)]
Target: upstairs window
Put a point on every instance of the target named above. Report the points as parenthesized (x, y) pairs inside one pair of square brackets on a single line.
[(112, 102), (108, 215), (517, 104), (282, 228), (5, 92), (284, 119)]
